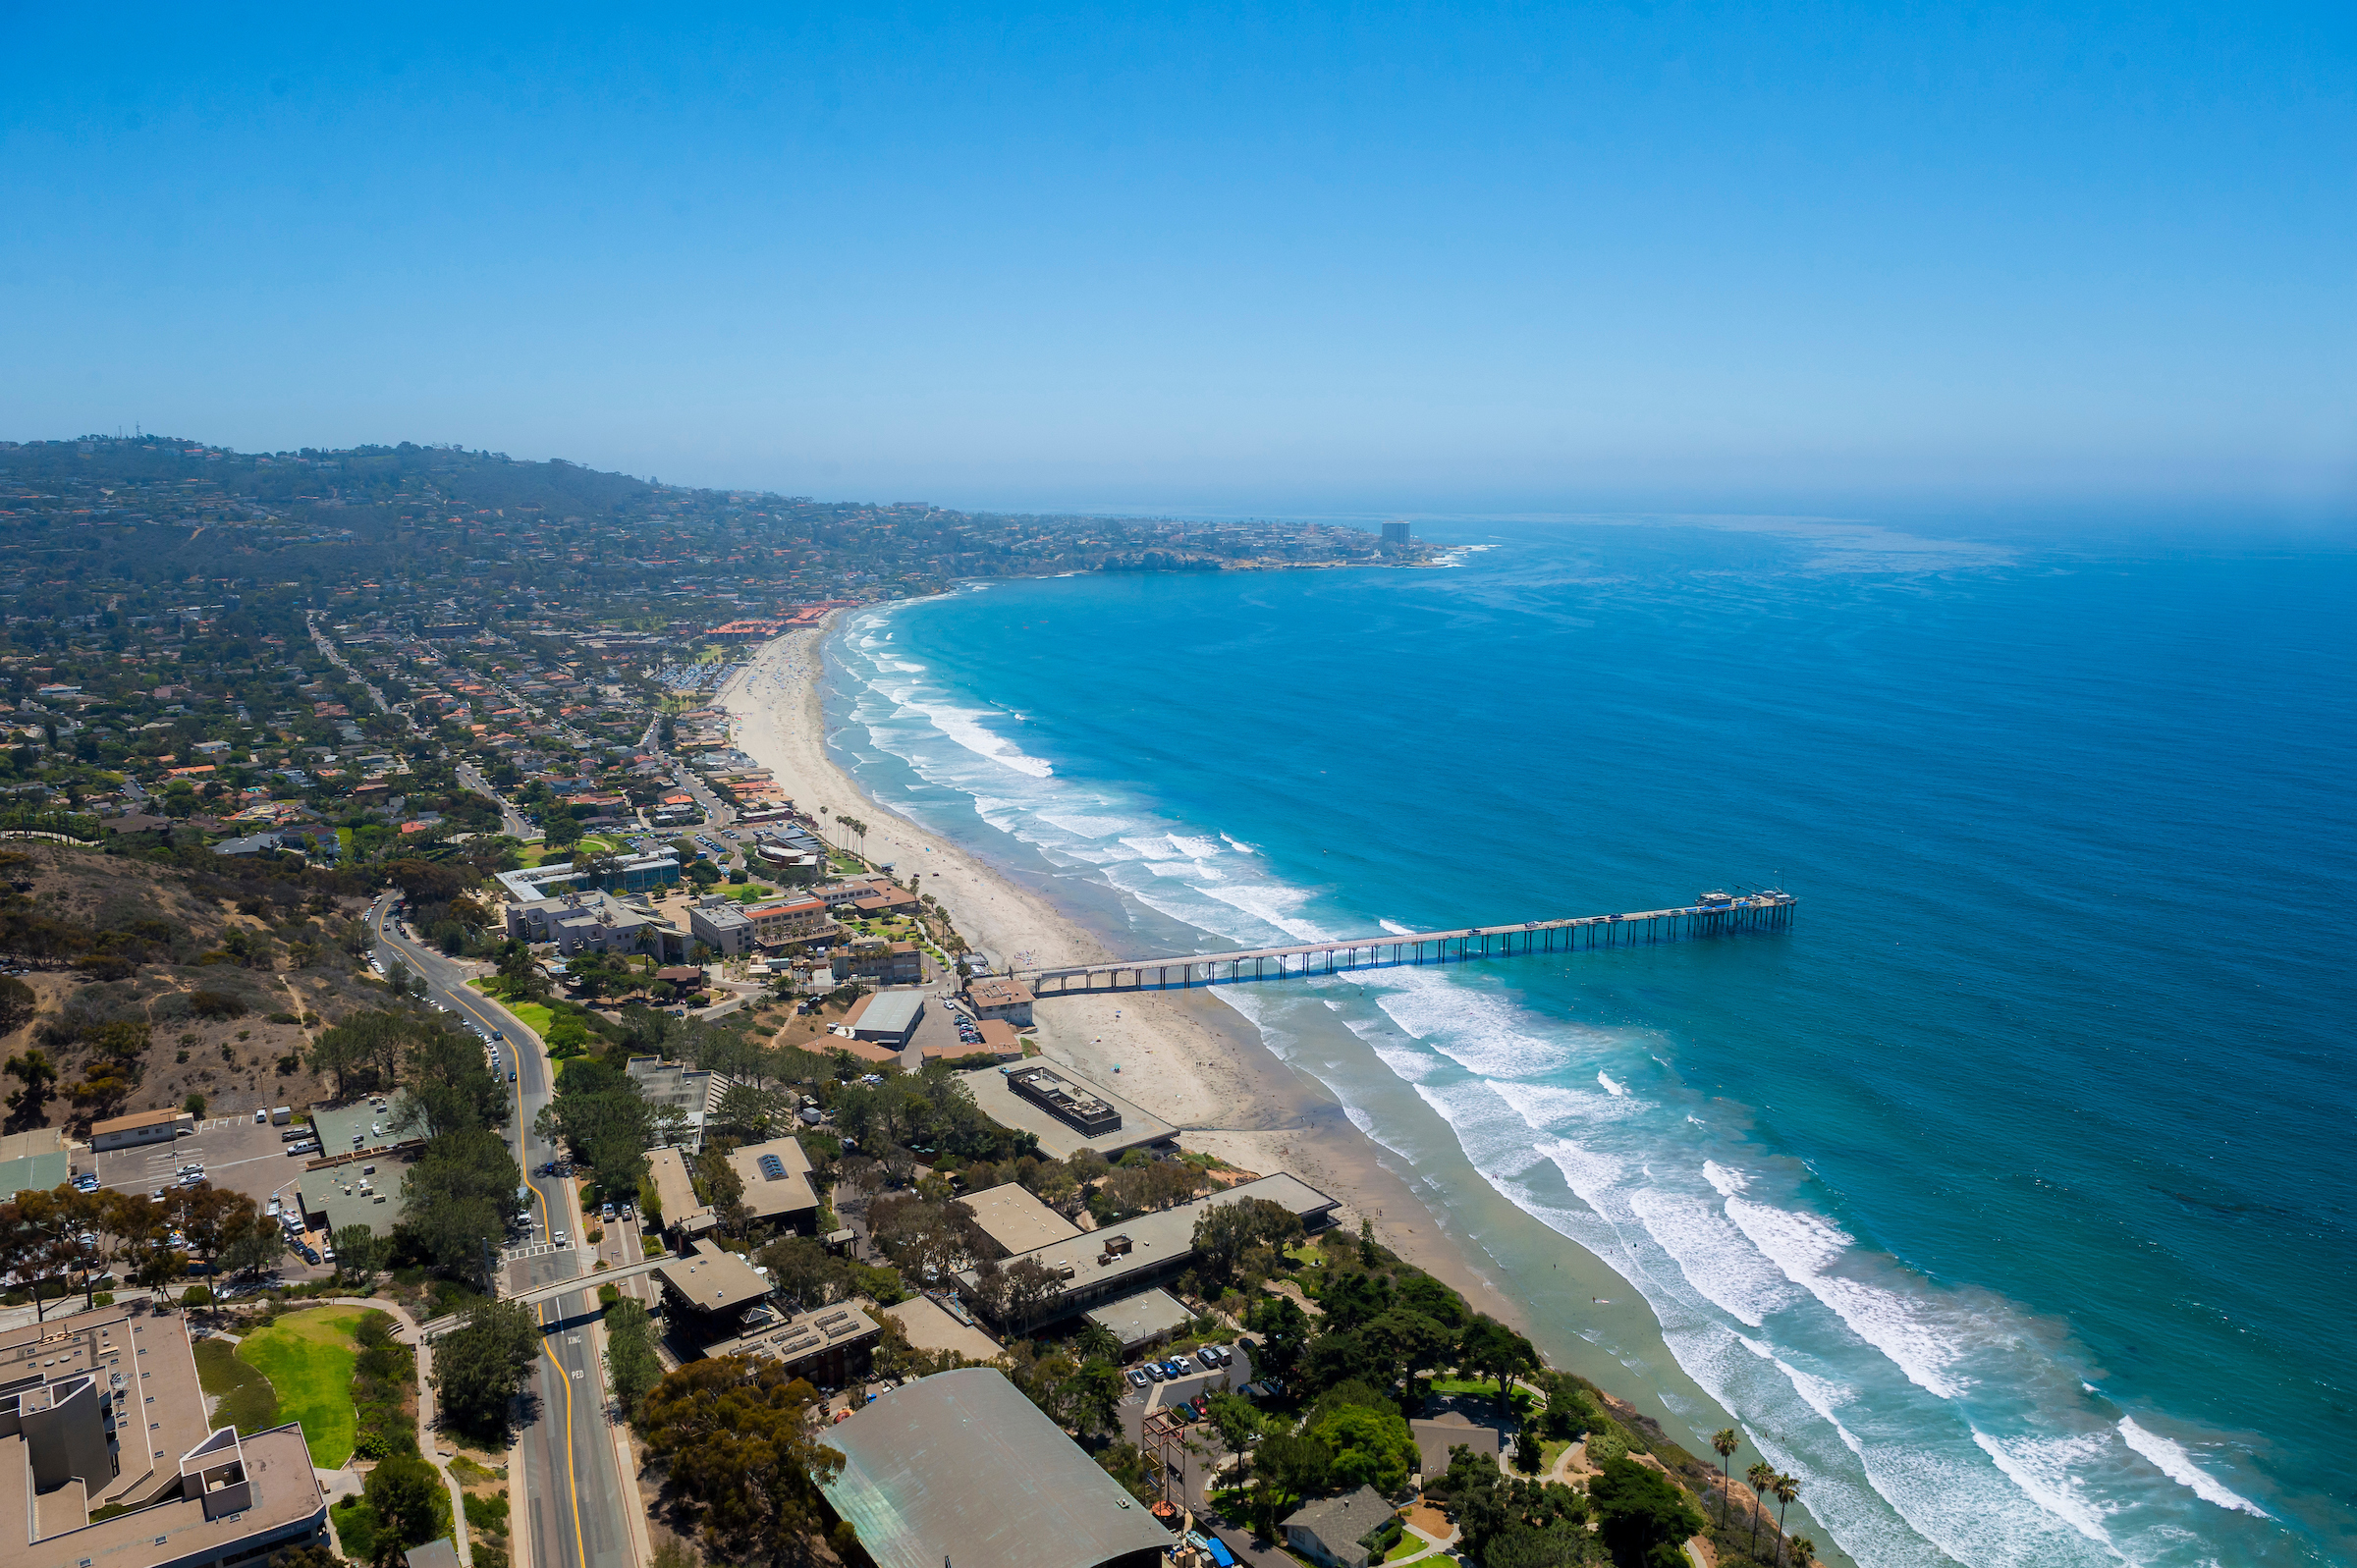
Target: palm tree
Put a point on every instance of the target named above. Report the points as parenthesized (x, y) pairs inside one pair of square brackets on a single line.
[(1803, 1549), (1759, 1475), (1786, 1488), (1726, 1443)]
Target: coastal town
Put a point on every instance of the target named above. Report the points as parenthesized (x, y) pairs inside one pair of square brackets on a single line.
[(462, 1034)]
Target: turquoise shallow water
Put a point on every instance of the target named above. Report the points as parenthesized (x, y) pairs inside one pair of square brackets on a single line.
[(2006, 1196)]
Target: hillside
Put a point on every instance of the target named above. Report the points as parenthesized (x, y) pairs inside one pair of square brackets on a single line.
[(152, 980)]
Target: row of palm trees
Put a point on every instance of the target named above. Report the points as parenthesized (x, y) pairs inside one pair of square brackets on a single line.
[(851, 826), (1765, 1480)]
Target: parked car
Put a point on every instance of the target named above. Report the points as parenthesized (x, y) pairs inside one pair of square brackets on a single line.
[(1138, 1378), (309, 1254), (1155, 1372), (606, 1212), (1181, 1366), (1210, 1356)]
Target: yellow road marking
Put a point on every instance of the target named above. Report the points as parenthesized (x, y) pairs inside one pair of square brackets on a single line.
[(572, 1485)]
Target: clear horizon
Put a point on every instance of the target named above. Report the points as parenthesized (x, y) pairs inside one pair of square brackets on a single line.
[(1394, 261)]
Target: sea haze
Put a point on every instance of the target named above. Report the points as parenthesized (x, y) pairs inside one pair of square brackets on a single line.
[(2004, 1197)]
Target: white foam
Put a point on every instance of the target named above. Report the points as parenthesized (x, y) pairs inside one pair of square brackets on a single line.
[(1396, 929), (1238, 846), (1805, 1246), (1611, 1086), (2043, 1468), (1193, 847), (1712, 1255), (1728, 1182), (2179, 1466)]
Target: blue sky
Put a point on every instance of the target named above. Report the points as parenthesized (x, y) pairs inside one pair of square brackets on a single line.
[(1217, 258)]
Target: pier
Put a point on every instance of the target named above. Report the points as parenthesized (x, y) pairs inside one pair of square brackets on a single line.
[(1710, 915)]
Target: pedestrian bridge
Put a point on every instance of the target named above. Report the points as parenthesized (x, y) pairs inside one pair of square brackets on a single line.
[(556, 1292)]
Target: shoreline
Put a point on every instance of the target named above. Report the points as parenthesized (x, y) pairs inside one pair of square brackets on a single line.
[(1189, 1059)]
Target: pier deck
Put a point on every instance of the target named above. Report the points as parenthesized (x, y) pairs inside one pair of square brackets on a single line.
[(1712, 915)]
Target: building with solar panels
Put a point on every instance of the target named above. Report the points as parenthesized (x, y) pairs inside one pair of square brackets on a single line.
[(776, 1186)]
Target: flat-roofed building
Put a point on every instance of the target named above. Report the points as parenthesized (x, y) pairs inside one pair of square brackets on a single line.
[(1058, 1138), (1103, 1266), (778, 921), (102, 1410), (829, 1346), (1011, 1216), (35, 1159), (712, 1290), (960, 1467), (887, 1018), (996, 997), (777, 1185), (684, 1216), (140, 1127), (635, 874), (355, 1192), (1076, 1106), (1142, 1319), (720, 924), (693, 1094)]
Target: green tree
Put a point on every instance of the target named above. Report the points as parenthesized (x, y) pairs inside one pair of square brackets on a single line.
[(459, 1198), (1492, 1348), (28, 1105), (1786, 1488), (632, 1366), (1759, 1475), (480, 1366), (1225, 1232), (519, 973), (403, 1490), (1369, 1447), (1237, 1422), (1285, 1334), (737, 1438), (1724, 1442), (449, 1083), (1643, 1518), (359, 1253), (1292, 1469)]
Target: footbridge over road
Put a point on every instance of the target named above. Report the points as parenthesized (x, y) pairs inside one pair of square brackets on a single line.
[(556, 1292), (1710, 914)]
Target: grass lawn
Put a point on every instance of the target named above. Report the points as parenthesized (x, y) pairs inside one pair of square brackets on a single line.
[(1409, 1544), (247, 1401), (533, 1015), (307, 1357)]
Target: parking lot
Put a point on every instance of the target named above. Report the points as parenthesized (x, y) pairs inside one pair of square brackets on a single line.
[(237, 1153)]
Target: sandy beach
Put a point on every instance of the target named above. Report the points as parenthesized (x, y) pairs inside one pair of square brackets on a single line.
[(1186, 1057)]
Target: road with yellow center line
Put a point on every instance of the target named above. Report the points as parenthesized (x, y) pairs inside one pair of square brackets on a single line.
[(554, 1457)]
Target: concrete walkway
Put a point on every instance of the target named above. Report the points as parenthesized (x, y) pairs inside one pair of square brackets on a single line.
[(407, 1333)]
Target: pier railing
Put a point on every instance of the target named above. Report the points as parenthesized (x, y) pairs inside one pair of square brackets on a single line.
[(1712, 915)]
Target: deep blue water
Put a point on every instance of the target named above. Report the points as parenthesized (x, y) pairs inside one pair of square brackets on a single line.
[(2007, 1198)]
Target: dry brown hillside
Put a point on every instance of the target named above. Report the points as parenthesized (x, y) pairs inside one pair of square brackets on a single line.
[(154, 980)]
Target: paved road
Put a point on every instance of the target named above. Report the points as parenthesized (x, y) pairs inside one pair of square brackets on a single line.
[(572, 1481), (511, 821)]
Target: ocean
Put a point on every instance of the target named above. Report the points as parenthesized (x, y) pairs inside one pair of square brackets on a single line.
[(2006, 1196)]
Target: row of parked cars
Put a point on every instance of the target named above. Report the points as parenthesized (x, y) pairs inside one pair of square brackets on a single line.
[(1212, 1357)]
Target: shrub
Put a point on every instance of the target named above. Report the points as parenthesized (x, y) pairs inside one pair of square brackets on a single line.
[(215, 1003)]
